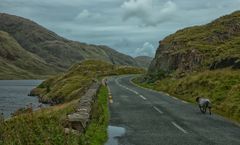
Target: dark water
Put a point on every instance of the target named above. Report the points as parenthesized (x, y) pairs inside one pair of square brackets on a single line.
[(14, 95)]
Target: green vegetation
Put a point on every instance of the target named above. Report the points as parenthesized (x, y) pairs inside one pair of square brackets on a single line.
[(37, 128), (221, 86)]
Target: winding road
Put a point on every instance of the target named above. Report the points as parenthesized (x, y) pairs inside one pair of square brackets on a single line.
[(153, 118)]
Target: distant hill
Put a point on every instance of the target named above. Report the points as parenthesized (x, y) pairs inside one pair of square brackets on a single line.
[(143, 61), (53, 52), (211, 46), (16, 62)]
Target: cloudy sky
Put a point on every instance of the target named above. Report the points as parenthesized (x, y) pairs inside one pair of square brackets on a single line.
[(133, 27)]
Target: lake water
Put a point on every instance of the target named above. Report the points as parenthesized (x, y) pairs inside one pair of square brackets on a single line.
[(14, 95)]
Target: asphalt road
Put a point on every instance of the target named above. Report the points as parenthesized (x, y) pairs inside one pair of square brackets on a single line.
[(152, 118)]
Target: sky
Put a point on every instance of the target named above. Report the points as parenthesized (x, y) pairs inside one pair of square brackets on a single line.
[(133, 27)]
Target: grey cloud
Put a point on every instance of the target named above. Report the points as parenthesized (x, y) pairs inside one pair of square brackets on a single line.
[(101, 21), (147, 49), (149, 13)]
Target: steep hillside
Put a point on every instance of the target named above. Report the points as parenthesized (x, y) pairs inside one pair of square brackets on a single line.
[(143, 61), (201, 61), (212, 46), (17, 62), (56, 51)]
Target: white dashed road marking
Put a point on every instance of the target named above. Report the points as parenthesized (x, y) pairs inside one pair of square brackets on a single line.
[(158, 110), (184, 102), (142, 97), (156, 91), (135, 92), (179, 127)]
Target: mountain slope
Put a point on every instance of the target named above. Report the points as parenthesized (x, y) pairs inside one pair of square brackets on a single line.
[(17, 62), (54, 50), (143, 61), (212, 46)]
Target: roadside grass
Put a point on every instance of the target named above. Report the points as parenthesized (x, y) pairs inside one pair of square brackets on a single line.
[(222, 87), (96, 133)]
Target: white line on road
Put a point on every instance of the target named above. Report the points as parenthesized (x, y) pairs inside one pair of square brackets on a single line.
[(151, 90), (143, 97), (117, 82), (184, 102), (135, 92), (158, 110), (179, 127)]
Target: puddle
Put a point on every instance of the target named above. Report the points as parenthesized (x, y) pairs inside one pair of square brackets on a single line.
[(113, 133)]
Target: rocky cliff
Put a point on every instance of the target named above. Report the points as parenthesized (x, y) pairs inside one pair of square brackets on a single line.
[(211, 46)]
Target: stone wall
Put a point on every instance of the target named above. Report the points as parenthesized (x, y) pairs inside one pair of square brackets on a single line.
[(78, 121)]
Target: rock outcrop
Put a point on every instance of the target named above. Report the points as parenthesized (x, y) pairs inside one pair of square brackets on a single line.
[(211, 46)]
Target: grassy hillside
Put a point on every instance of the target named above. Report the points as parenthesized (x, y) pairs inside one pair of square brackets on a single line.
[(55, 53)]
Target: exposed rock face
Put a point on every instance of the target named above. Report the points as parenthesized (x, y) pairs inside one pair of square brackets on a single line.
[(233, 62), (212, 46), (184, 61)]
